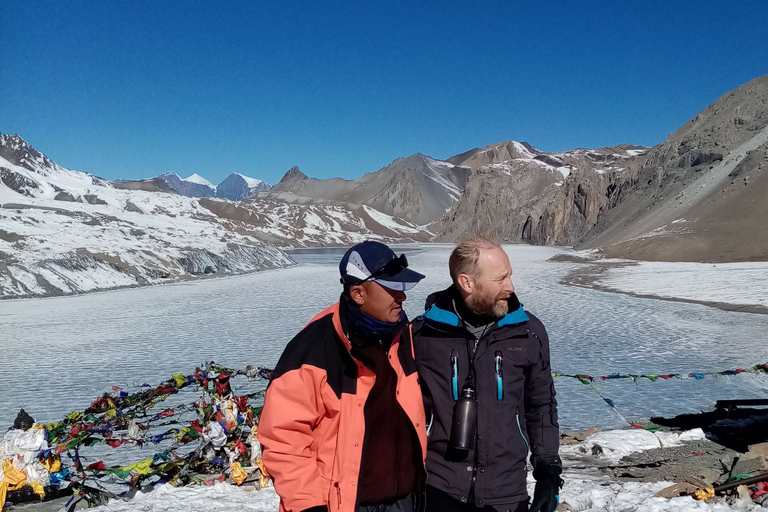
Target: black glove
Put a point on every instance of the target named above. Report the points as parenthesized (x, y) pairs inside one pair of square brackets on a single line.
[(546, 495), (319, 508)]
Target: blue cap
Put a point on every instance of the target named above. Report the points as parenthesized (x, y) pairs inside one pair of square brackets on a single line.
[(374, 261)]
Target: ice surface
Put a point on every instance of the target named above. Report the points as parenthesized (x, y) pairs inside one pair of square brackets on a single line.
[(78, 347), (62, 353), (732, 283)]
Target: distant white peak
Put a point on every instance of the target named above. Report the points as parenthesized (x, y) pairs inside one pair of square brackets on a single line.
[(523, 149), (251, 182), (196, 178)]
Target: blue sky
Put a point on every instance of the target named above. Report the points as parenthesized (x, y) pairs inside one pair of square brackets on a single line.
[(134, 89)]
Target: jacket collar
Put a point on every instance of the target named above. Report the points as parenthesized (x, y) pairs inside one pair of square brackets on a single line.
[(440, 309), (335, 313), (336, 319)]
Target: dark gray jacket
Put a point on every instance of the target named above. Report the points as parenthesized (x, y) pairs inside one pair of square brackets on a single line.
[(517, 410)]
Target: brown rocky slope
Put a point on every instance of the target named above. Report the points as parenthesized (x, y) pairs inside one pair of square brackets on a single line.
[(701, 194)]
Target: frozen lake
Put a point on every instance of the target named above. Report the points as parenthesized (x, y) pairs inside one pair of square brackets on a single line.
[(59, 354)]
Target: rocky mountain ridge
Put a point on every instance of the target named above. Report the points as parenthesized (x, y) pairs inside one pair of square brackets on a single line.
[(418, 189), (520, 194), (64, 231), (697, 196)]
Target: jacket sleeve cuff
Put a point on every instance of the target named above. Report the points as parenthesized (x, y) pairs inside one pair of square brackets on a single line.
[(546, 466)]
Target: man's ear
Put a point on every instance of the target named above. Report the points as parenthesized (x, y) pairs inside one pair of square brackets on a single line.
[(466, 283), (357, 294)]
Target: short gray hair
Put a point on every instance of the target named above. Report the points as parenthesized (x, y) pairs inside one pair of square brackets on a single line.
[(465, 257)]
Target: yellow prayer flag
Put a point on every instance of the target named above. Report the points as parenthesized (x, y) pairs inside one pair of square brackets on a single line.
[(180, 379), (238, 473)]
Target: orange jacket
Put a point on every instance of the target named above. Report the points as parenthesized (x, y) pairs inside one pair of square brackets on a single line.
[(312, 426)]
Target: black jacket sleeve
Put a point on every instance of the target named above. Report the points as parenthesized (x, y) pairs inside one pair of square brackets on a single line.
[(540, 402)]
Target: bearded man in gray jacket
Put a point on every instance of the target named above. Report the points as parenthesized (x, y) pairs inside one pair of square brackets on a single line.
[(485, 374)]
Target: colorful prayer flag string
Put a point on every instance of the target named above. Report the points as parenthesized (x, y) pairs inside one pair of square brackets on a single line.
[(760, 368), (590, 380)]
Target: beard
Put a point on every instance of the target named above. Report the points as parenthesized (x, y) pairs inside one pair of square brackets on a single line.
[(495, 306)]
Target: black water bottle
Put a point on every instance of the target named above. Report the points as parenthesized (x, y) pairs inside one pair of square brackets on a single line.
[(464, 420)]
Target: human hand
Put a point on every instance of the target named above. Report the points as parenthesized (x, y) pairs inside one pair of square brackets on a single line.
[(546, 494)]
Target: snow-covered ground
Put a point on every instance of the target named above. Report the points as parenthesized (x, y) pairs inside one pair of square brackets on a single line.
[(303, 225), (585, 490), (63, 232), (731, 283), (220, 497)]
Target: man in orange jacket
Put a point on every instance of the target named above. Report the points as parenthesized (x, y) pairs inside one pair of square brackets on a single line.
[(343, 425)]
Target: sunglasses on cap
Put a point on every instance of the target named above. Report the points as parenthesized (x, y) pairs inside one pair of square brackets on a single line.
[(390, 268)]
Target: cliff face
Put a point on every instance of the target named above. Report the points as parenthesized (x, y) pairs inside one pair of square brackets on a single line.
[(540, 198), (700, 194), (570, 214)]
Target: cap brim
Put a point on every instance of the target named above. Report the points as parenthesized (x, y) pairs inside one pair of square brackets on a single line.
[(402, 281)]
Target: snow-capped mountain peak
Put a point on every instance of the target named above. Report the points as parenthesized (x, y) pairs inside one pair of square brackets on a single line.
[(234, 187), (196, 178), (252, 182), (194, 186)]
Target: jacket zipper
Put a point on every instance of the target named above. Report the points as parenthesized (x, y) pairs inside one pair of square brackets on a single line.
[(455, 374), (499, 379), (520, 429), (475, 462)]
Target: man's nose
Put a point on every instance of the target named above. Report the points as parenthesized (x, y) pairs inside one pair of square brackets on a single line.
[(399, 296), (509, 287)]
